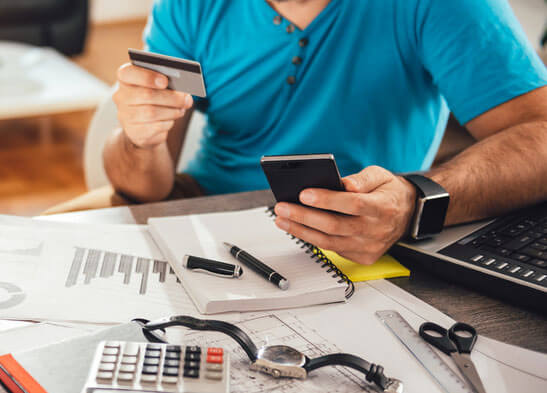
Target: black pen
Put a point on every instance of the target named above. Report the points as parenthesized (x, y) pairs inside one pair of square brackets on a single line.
[(212, 267), (264, 270)]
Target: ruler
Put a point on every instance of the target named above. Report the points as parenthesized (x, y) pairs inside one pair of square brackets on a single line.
[(449, 381)]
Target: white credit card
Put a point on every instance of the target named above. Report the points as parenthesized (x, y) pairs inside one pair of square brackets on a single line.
[(184, 75)]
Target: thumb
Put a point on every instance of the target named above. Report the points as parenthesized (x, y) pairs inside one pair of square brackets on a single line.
[(367, 180)]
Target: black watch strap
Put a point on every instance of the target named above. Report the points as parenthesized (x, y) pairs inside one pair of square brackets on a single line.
[(373, 373), (424, 185), (210, 325)]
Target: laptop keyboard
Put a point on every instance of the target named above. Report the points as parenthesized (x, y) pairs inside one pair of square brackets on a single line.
[(515, 245)]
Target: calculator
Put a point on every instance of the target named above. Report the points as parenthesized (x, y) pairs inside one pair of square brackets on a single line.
[(122, 366)]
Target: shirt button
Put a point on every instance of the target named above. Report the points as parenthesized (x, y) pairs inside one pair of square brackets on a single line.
[(291, 80), (277, 20), (296, 60), (303, 42), (290, 28)]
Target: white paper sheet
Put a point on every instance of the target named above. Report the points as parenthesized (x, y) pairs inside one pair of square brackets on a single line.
[(108, 276)]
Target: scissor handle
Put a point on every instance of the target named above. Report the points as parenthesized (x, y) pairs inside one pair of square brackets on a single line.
[(443, 342), (464, 343)]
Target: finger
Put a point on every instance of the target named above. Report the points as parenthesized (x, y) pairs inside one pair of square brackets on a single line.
[(351, 203), (142, 134), (362, 258), (315, 237), (138, 76), (330, 223), (368, 179), (136, 95), (134, 114)]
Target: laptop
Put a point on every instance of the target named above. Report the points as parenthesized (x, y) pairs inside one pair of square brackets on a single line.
[(505, 257)]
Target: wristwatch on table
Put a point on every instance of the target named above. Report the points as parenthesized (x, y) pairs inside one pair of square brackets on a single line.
[(431, 206), (282, 360)]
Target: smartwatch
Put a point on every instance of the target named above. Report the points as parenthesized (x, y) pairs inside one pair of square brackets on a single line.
[(282, 360), (431, 206)]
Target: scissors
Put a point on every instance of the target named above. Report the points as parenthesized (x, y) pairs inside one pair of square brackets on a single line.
[(457, 342)]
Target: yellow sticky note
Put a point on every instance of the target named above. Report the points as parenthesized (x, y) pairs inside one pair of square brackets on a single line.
[(385, 267)]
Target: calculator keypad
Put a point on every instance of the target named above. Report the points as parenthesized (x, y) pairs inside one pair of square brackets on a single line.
[(122, 365)]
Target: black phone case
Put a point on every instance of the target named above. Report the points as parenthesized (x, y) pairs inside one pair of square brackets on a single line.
[(288, 178)]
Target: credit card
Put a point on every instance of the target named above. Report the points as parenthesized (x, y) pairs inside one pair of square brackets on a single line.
[(184, 75)]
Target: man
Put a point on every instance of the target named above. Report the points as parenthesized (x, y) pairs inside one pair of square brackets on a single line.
[(370, 81)]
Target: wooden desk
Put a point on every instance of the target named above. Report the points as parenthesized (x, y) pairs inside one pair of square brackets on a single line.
[(490, 317)]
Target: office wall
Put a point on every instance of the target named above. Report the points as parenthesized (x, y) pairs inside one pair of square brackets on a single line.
[(107, 11)]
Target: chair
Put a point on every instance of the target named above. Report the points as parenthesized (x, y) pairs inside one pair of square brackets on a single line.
[(104, 121), (61, 24)]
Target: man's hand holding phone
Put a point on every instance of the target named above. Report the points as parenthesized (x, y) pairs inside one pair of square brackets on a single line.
[(377, 208), (147, 110)]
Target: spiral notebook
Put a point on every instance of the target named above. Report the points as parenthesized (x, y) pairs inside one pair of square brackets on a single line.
[(313, 278)]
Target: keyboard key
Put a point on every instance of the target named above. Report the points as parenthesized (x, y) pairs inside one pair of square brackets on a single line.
[(539, 263), (193, 349), (171, 371), (527, 273), (502, 265), (105, 375), (128, 368), (173, 348), (519, 242), (107, 367), (171, 363), (151, 361), (477, 258), (172, 355), (129, 360), (213, 375), (131, 349), (192, 356), (193, 373), (152, 353), (150, 370), (539, 246), (519, 257), (110, 351), (190, 365), (215, 351), (541, 278), (534, 234), (534, 253), (515, 269), (112, 344), (488, 261), (214, 359), (125, 377), (170, 379), (153, 347), (109, 359), (543, 240), (149, 378), (213, 366)]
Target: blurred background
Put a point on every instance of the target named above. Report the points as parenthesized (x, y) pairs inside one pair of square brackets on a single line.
[(48, 96)]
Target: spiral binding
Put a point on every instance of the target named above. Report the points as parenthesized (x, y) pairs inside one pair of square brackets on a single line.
[(319, 257)]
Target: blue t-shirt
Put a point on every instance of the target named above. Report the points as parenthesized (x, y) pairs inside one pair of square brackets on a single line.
[(371, 81)]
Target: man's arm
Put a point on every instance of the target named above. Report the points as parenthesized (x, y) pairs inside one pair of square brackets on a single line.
[(505, 170), (140, 158)]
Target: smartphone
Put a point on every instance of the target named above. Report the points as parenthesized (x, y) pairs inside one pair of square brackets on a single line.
[(289, 175)]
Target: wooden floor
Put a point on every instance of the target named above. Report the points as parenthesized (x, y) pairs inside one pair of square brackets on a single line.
[(41, 158)]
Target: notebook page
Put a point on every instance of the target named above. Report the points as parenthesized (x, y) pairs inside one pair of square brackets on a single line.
[(253, 231)]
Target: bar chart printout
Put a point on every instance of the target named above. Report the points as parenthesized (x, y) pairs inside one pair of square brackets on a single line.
[(92, 264)]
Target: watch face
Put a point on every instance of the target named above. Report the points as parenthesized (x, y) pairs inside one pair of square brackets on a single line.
[(282, 354), (433, 215)]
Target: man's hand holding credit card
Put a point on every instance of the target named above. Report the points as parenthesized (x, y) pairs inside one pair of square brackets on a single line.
[(154, 92)]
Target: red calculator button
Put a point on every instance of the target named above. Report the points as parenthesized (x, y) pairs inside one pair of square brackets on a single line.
[(215, 351), (214, 359)]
